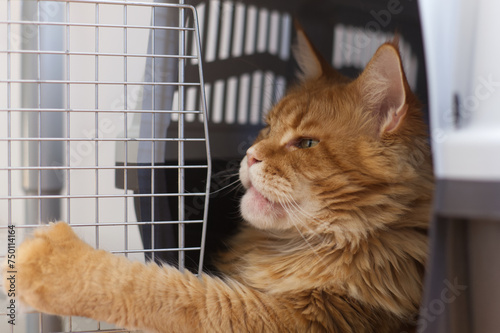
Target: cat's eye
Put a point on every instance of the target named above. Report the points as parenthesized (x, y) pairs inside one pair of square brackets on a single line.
[(307, 143)]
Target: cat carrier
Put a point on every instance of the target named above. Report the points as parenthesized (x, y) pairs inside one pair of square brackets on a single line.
[(87, 113)]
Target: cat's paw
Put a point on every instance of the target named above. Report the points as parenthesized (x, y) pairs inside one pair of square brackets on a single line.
[(46, 265)]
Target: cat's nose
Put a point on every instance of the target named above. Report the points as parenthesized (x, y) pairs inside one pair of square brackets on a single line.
[(251, 157)]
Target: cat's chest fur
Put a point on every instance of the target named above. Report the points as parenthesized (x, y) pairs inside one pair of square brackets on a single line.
[(298, 270), (283, 265)]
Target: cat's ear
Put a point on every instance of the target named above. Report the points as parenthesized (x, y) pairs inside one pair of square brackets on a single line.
[(307, 57), (384, 87), (311, 63)]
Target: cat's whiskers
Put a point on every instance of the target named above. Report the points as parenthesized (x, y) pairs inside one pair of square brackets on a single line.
[(235, 188), (300, 210), (297, 215), (293, 208), (289, 204), (226, 174)]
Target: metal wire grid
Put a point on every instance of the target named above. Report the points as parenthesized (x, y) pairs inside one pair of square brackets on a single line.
[(37, 184)]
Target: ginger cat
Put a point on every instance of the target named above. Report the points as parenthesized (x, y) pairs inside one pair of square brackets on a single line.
[(337, 203)]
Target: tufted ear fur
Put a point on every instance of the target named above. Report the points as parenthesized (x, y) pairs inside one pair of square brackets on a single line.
[(384, 87), (307, 57), (311, 63)]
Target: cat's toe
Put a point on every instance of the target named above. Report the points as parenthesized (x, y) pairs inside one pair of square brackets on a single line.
[(56, 233)]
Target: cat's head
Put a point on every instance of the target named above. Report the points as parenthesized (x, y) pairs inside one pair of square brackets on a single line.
[(337, 150)]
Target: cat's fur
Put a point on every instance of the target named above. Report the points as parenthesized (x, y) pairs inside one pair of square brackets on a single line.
[(338, 196)]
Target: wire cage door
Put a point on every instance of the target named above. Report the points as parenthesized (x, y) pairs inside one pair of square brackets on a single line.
[(92, 100)]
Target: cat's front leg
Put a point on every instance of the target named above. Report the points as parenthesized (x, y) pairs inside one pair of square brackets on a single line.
[(60, 274)]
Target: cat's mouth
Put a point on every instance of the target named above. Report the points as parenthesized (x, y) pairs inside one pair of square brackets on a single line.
[(259, 208), (261, 203), (259, 196)]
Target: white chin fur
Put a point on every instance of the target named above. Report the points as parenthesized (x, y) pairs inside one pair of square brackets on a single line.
[(262, 216)]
